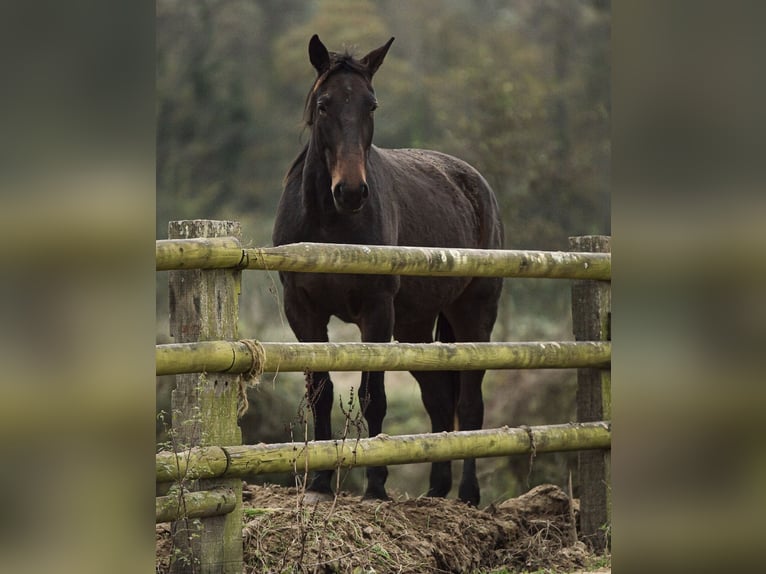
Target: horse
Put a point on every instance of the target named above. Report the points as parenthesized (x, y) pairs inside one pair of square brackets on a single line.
[(343, 189)]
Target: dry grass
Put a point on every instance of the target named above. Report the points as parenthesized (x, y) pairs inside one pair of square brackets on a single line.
[(283, 535)]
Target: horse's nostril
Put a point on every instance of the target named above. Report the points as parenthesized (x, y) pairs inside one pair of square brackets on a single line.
[(349, 199)]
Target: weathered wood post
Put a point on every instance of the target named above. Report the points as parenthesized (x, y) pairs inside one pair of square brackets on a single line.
[(203, 307), (591, 321)]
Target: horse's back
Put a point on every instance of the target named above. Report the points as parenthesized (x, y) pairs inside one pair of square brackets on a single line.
[(442, 200)]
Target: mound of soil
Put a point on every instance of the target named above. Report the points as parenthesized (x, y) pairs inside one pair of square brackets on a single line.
[(284, 534)]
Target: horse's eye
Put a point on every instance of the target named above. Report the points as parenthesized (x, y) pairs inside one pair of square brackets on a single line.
[(321, 108)]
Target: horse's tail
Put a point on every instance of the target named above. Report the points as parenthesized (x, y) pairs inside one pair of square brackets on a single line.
[(445, 334)]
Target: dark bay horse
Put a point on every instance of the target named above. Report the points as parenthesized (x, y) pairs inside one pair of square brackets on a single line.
[(343, 189)]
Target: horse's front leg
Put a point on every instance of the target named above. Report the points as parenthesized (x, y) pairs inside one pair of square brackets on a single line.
[(377, 327), (319, 394), (310, 326)]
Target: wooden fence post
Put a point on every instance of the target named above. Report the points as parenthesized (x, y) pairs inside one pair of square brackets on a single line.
[(591, 321), (204, 307)]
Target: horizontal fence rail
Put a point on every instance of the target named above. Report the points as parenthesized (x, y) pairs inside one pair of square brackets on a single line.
[(252, 356), (226, 252), (246, 460), (199, 504)]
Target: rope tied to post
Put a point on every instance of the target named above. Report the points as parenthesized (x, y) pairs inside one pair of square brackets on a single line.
[(251, 377)]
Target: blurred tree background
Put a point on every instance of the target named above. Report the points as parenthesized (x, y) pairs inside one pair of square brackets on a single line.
[(518, 88)]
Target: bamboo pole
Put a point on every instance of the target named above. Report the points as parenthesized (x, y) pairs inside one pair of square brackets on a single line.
[(200, 504), (198, 253), (237, 357), (247, 460), (192, 464), (382, 260)]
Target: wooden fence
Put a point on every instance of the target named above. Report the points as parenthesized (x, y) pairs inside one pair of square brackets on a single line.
[(205, 259)]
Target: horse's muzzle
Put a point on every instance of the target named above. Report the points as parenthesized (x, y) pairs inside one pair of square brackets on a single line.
[(350, 199)]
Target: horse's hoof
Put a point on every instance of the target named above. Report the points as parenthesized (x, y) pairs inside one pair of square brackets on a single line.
[(441, 493), (376, 496), (312, 497), (470, 500)]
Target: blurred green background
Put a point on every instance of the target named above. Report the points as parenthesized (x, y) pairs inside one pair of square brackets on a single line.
[(520, 89)]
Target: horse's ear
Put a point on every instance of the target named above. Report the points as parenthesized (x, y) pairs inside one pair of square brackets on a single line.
[(374, 59), (318, 54)]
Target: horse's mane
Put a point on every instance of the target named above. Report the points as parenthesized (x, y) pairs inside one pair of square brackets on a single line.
[(296, 168)]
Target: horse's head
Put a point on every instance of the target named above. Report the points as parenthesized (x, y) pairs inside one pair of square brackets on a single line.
[(339, 110)]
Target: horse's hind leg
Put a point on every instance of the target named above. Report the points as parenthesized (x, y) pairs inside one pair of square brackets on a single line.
[(472, 317), (438, 389), (470, 415)]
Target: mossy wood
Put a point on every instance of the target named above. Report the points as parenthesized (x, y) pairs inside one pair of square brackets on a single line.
[(202, 253), (204, 307), (200, 504), (248, 460), (591, 321), (382, 260), (237, 357)]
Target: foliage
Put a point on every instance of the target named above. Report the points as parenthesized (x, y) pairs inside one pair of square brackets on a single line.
[(520, 89)]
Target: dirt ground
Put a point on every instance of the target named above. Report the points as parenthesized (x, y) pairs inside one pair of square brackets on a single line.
[(533, 532)]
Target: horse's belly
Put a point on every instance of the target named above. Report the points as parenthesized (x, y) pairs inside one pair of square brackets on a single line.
[(346, 296), (424, 297), (342, 295)]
